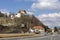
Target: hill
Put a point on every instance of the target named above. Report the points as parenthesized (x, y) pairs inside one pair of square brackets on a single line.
[(18, 25)]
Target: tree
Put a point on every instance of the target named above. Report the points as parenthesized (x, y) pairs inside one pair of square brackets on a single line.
[(2, 15), (46, 28), (55, 29)]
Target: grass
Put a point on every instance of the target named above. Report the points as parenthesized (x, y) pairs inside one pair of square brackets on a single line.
[(16, 35)]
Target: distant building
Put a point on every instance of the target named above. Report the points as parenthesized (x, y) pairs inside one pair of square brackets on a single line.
[(12, 17), (39, 29), (20, 13), (52, 30)]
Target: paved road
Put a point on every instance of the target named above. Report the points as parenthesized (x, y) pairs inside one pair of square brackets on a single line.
[(50, 37)]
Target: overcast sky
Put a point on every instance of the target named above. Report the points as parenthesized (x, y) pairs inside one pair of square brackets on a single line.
[(47, 11)]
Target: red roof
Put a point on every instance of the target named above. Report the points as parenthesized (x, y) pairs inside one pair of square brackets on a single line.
[(38, 27)]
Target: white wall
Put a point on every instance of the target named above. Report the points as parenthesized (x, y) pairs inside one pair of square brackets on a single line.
[(18, 15)]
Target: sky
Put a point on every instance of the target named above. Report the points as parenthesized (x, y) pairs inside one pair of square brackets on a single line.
[(47, 11)]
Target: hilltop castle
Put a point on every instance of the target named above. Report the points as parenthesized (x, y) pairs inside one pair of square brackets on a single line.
[(18, 15), (21, 22)]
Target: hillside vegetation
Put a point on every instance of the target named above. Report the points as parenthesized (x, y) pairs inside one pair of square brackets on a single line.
[(8, 25)]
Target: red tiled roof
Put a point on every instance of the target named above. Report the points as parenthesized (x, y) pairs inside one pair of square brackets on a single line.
[(38, 27)]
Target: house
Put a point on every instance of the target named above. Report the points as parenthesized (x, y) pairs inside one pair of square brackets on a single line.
[(37, 29)]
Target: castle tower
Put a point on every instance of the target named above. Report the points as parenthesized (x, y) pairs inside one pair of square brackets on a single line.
[(22, 12)]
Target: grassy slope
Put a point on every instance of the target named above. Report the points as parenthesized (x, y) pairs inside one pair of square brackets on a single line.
[(16, 35)]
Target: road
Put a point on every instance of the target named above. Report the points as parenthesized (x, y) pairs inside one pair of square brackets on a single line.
[(49, 37)]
